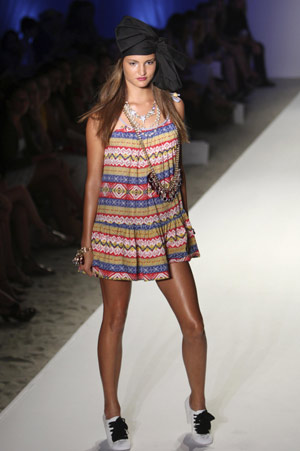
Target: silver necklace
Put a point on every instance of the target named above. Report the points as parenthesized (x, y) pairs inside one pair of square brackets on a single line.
[(141, 117), (133, 122)]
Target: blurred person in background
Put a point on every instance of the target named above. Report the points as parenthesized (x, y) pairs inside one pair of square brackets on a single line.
[(48, 44), (9, 271), (67, 137), (238, 31), (80, 34), (10, 53), (63, 132), (23, 214), (29, 30), (104, 65), (24, 164), (10, 308), (83, 84), (202, 75)]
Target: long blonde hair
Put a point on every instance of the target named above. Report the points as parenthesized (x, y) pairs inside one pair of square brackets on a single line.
[(111, 99)]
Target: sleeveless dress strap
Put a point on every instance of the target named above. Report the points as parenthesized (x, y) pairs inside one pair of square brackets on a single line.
[(176, 97)]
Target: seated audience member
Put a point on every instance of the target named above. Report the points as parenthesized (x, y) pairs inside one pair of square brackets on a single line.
[(80, 34), (82, 90), (236, 66), (24, 219), (9, 270), (61, 129), (25, 164), (48, 43), (9, 296), (176, 32), (10, 53), (221, 60), (104, 64), (65, 90), (74, 163), (238, 31), (199, 77), (20, 226), (43, 84), (33, 119), (29, 29)]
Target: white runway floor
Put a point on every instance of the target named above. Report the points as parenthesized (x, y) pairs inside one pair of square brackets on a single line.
[(248, 231)]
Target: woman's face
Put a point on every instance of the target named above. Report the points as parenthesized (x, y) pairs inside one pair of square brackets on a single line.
[(139, 69)]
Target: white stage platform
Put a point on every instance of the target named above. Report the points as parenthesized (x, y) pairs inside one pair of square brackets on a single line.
[(248, 231)]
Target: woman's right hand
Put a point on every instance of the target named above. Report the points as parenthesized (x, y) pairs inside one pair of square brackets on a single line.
[(87, 265)]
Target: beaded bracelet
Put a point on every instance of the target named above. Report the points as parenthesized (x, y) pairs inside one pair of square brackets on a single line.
[(79, 257)]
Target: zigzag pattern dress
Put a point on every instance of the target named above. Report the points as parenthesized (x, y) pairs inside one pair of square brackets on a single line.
[(136, 234)]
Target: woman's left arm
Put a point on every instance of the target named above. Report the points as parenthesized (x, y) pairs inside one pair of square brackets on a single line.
[(180, 108)]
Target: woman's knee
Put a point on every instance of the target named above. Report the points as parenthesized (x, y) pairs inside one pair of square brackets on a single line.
[(193, 330), (115, 321)]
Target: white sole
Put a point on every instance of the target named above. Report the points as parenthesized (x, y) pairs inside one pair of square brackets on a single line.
[(188, 411), (201, 439), (120, 445)]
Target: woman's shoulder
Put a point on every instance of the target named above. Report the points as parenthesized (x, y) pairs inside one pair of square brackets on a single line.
[(93, 122)]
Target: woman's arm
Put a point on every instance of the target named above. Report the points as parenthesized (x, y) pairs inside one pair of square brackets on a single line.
[(180, 108), (95, 158)]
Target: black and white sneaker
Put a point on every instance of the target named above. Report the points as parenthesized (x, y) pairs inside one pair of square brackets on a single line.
[(200, 422), (117, 433)]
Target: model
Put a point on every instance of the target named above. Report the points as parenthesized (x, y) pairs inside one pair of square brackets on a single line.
[(136, 224)]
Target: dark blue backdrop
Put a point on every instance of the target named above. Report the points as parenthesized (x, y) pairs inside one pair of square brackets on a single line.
[(108, 12)]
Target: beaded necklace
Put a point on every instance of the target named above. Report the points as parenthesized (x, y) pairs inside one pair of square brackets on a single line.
[(167, 193), (141, 117)]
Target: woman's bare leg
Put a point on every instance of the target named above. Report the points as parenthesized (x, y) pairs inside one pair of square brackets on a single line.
[(230, 73), (54, 190), (241, 61), (21, 229), (7, 243), (180, 292), (8, 266), (6, 302), (4, 284), (52, 169), (116, 296), (20, 194)]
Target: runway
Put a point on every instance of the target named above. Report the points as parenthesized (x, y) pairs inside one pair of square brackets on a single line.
[(247, 228)]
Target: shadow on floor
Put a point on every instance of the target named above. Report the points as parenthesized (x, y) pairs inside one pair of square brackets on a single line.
[(186, 443)]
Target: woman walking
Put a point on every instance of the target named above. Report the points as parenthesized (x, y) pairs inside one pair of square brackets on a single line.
[(136, 224)]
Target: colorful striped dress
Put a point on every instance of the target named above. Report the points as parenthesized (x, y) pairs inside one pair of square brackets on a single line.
[(136, 234)]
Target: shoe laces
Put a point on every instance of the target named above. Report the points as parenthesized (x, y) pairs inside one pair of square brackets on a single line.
[(118, 429), (202, 422)]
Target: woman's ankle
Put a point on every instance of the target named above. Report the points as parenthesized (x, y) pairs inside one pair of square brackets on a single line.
[(197, 402), (112, 410)]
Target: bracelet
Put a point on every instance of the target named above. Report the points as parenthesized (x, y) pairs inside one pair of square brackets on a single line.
[(85, 249), (79, 257)]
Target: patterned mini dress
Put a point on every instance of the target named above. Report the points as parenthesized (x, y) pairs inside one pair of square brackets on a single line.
[(136, 234)]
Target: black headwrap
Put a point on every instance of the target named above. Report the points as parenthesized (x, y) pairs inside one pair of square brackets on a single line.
[(135, 37)]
